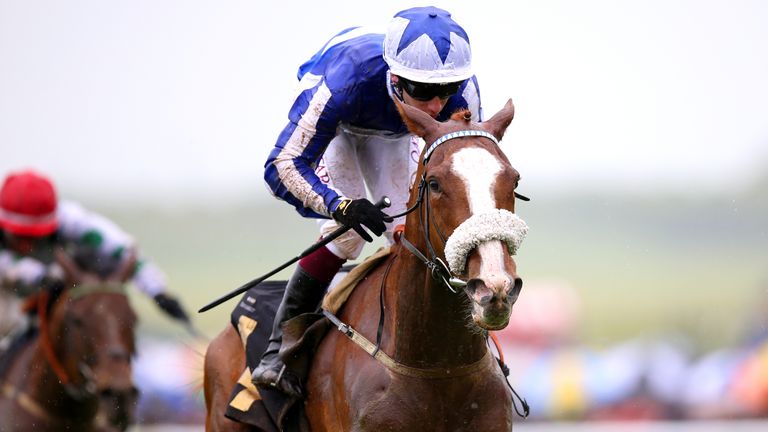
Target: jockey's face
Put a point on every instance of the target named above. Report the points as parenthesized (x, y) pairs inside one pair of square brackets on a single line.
[(431, 107), (23, 245), (430, 98)]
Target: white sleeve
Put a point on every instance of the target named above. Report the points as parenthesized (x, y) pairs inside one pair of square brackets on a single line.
[(88, 229), (149, 279), (79, 225)]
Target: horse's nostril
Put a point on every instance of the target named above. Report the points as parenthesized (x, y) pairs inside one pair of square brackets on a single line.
[(485, 300), (472, 285), (515, 291), (518, 286), (127, 393)]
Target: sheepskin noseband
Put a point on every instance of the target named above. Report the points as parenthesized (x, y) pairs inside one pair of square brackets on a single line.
[(497, 224)]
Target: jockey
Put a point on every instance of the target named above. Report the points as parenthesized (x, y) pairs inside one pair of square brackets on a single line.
[(33, 222), (345, 135)]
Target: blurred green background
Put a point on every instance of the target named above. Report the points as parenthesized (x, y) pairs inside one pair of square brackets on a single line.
[(643, 264)]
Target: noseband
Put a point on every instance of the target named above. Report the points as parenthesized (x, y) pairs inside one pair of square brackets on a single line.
[(497, 224)]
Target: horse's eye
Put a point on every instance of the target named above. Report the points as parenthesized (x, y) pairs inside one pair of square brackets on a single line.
[(434, 186), (77, 322)]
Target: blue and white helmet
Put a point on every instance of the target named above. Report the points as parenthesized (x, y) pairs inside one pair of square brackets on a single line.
[(424, 44)]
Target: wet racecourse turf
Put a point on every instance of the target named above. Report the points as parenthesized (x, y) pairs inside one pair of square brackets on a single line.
[(522, 426)]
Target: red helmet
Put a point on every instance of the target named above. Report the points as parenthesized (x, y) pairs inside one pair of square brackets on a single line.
[(28, 204)]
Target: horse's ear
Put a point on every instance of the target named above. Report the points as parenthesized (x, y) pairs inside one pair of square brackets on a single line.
[(418, 122), (72, 272), (498, 124), (127, 268)]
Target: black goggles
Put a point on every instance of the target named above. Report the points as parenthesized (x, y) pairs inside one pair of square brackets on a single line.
[(426, 92)]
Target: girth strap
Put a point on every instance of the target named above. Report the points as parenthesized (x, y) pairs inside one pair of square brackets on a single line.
[(401, 369)]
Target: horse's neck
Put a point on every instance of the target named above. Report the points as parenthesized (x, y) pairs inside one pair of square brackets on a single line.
[(429, 322)]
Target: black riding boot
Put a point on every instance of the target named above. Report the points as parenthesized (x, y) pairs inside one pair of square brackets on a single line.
[(302, 295)]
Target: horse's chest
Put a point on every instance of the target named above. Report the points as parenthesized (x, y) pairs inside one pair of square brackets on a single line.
[(439, 406)]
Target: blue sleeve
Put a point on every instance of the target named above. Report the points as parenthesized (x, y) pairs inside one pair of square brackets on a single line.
[(313, 121)]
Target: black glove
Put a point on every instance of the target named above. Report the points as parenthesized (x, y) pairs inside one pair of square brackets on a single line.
[(171, 306), (359, 212)]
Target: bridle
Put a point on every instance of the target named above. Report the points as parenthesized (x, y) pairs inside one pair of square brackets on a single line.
[(436, 266)]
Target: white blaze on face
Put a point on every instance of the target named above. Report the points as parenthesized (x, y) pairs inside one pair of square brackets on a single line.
[(478, 169)]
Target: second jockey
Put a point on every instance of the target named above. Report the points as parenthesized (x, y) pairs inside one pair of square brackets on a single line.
[(33, 222)]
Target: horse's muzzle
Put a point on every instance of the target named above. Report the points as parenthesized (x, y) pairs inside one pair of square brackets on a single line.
[(492, 299)]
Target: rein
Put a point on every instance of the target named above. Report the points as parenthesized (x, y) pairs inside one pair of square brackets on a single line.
[(437, 267), (45, 339)]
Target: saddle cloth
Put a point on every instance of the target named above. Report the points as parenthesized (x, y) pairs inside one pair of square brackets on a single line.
[(270, 410)]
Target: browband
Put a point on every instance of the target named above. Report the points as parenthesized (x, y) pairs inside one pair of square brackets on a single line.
[(457, 134)]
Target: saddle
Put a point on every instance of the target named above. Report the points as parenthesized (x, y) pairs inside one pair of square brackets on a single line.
[(270, 410)]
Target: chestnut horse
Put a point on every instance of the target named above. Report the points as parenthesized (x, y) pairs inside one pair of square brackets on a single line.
[(76, 373), (430, 367)]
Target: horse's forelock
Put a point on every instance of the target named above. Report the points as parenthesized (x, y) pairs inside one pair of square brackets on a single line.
[(462, 114)]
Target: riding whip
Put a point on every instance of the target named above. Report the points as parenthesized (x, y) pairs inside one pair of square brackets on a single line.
[(383, 203)]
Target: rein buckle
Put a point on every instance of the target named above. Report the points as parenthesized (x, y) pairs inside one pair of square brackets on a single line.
[(440, 272), (344, 328)]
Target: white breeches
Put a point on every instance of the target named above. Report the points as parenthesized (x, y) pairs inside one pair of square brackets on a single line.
[(10, 312), (385, 166)]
